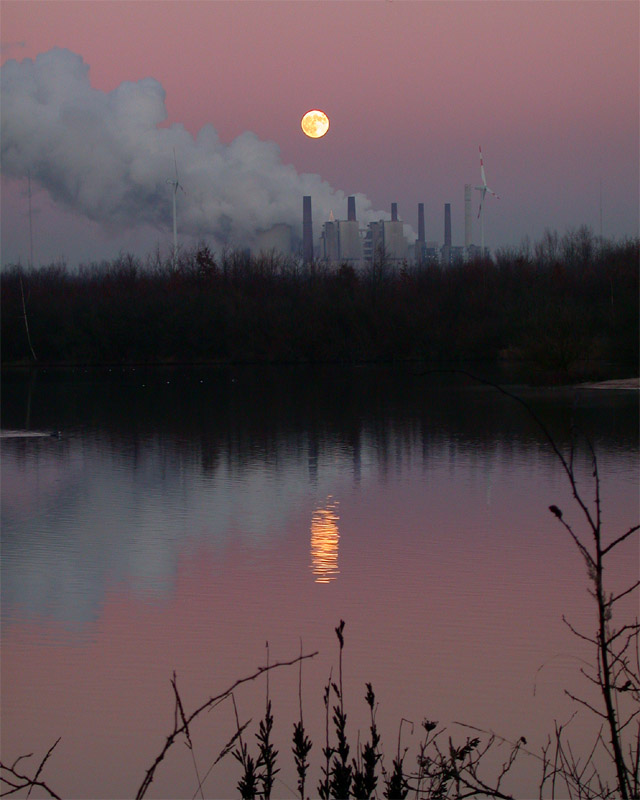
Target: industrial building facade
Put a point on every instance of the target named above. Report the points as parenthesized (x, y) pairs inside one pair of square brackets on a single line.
[(384, 240), (345, 242)]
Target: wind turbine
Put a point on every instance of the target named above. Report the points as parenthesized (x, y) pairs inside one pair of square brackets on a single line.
[(483, 191), (176, 185)]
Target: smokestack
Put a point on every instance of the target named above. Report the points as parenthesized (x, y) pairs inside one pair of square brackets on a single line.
[(351, 209), (467, 215), (447, 224), (307, 230), (421, 222), (394, 212)]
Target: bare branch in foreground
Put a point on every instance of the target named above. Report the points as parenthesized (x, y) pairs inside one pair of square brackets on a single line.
[(185, 724), (43, 762), (209, 703), (10, 777), (620, 539)]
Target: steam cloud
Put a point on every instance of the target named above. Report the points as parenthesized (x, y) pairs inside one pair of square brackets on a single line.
[(104, 156)]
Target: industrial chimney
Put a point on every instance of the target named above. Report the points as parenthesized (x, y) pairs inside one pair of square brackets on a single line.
[(447, 224), (421, 222), (467, 215), (394, 212), (307, 230), (351, 209)]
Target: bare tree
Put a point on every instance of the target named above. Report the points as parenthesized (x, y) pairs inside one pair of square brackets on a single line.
[(616, 673)]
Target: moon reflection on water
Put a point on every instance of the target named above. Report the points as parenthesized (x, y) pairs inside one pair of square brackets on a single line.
[(325, 537)]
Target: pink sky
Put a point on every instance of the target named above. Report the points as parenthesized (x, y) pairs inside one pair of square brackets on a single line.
[(550, 91)]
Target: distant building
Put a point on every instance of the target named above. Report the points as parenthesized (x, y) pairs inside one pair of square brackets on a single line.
[(386, 239), (452, 254), (340, 241), (372, 241), (432, 253), (343, 241), (329, 240), (277, 239), (349, 242)]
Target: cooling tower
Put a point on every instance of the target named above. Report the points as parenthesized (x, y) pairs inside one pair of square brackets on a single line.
[(467, 215), (447, 224), (394, 212), (307, 230), (421, 222), (351, 209)]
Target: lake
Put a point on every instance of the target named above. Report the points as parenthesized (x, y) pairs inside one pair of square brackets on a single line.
[(184, 517)]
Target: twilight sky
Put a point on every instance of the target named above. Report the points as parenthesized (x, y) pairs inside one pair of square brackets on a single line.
[(550, 91)]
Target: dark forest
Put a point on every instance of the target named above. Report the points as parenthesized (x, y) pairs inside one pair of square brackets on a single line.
[(566, 306)]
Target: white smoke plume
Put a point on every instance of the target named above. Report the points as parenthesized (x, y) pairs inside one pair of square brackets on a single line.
[(102, 155)]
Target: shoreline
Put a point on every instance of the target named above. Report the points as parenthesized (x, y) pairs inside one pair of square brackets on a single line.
[(624, 384)]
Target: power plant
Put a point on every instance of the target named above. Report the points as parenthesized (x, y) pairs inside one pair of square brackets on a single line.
[(345, 242)]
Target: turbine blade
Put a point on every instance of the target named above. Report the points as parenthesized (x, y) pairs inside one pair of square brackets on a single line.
[(484, 180)]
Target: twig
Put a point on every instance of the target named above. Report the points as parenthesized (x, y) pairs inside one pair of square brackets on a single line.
[(213, 700), (185, 725), (577, 633), (584, 703), (225, 751), (617, 541), (43, 762), (26, 782), (622, 594)]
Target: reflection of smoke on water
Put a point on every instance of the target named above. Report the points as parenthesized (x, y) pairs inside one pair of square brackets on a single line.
[(80, 516), (324, 542)]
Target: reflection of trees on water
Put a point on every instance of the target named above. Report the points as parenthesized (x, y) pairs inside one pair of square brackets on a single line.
[(234, 418), (219, 456)]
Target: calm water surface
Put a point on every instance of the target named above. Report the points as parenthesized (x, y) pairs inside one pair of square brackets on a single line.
[(186, 517)]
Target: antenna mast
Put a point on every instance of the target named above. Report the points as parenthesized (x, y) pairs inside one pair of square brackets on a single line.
[(176, 185), (24, 302), (30, 225), (601, 212)]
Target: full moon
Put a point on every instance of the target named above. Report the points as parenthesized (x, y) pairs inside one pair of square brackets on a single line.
[(315, 123)]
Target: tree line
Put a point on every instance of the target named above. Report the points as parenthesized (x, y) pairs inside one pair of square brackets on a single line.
[(563, 305)]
